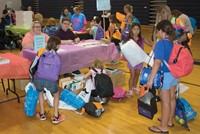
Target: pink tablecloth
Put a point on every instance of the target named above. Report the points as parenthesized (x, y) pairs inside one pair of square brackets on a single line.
[(75, 57), (17, 68)]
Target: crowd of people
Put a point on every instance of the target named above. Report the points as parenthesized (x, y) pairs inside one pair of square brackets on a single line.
[(163, 37)]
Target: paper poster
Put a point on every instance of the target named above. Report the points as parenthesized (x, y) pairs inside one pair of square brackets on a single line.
[(9, 4), (103, 5), (23, 19), (39, 42)]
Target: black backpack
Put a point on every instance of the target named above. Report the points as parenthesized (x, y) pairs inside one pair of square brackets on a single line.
[(103, 84)]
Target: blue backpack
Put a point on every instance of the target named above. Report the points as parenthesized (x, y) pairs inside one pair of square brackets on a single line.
[(47, 67), (193, 23), (135, 20), (99, 33)]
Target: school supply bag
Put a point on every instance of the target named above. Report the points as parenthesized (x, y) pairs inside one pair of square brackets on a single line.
[(94, 109), (180, 61), (72, 99), (103, 84), (147, 105), (31, 99), (49, 66), (99, 33), (189, 112), (119, 93), (144, 77)]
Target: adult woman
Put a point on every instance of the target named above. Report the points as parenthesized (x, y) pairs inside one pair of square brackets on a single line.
[(28, 40), (78, 20), (65, 13), (162, 50)]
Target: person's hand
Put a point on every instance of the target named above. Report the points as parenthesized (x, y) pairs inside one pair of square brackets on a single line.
[(148, 85), (76, 40)]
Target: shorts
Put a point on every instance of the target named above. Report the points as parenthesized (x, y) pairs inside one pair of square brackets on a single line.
[(168, 81), (40, 84), (139, 66)]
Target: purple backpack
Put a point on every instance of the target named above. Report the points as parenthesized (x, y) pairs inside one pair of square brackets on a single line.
[(49, 66), (99, 33)]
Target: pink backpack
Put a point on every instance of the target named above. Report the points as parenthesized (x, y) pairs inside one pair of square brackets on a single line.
[(119, 93)]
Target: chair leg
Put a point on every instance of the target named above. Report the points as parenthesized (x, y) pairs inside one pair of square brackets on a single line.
[(3, 85)]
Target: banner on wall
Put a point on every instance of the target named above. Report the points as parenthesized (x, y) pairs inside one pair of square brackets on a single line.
[(103, 5)]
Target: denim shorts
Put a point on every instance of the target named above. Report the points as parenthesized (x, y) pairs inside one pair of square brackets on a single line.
[(168, 81), (40, 84)]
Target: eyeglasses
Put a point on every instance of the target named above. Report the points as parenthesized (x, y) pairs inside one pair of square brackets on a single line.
[(37, 26), (66, 23)]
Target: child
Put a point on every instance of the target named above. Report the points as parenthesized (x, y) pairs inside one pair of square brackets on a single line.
[(135, 34), (97, 65), (162, 50), (96, 30), (52, 44), (114, 32)]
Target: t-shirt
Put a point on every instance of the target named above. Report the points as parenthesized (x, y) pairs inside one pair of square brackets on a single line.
[(162, 52), (65, 35), (94, 31), (50, 30), (78, 22), (186, 23)]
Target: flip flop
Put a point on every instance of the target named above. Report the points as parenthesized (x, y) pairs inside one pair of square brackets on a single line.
[(157, 130), (172, 125)]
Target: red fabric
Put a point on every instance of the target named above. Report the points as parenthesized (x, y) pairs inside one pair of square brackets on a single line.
[(184, 64), (17, 68)]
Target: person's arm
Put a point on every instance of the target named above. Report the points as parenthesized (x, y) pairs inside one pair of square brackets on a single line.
[(67, 42), (5, 13), (129, 18), (27, 41), (111, 29), (156, 66), (88, 74), (147, 42)]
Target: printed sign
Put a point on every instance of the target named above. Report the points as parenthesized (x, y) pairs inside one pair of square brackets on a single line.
[(39, 42), (103, 5)]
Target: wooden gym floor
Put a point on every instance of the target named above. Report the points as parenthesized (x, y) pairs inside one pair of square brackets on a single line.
[(119, 117)]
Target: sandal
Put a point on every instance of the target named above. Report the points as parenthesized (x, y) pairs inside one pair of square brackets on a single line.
[(40, 116), (157, 130)]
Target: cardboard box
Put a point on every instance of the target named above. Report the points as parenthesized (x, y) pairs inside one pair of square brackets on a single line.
[(21, 83), (118, 78), (71, 84)]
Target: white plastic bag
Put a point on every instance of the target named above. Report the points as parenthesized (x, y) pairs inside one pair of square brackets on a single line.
[(85, 94), (133, 53), (62, 105)]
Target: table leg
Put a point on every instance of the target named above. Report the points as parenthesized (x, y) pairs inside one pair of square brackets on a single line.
[(14, 92)]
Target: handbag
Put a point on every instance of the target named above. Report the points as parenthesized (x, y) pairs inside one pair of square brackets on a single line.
[(144, 77)]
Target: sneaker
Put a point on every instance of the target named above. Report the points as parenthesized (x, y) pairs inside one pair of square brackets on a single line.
[(40, 116), (129, 93), (98, 99), (137, 91), (61, 117)]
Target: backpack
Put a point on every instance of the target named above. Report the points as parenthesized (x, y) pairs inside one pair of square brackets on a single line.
[(99, 33), (180, 61), (103, 84), (49, 66), (184, 112), (119, 93), (193, 23), (94, 109)]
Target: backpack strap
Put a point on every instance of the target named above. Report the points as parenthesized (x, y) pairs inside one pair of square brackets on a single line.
[(94, 70)]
